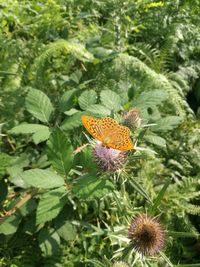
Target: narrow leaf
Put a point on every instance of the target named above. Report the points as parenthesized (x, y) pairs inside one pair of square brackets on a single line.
[(139, 189)]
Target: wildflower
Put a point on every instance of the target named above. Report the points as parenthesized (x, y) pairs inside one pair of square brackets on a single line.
[(132, 118), (108, 159), (146, 234), (120, 264)]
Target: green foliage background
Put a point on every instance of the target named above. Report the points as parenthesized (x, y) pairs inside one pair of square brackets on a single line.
[(61, 59)]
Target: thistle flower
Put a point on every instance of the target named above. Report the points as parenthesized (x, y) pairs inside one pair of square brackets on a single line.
[(108, 159), (120, 264), (132, 118), (146, 234)]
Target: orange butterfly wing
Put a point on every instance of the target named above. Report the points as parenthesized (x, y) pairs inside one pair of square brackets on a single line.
[(92, 125), (109, 132)]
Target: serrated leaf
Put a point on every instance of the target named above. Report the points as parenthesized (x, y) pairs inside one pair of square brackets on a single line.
[(60, 152), (99, 109), (50, 205), (87, 98), (41, 135), (150, 98), (111, 100), (167, 123), (156, 140), (67, 231), (49, 242), (42, 178), (10, 225), (39, 105), (67, 100), (72, 122), (27, 128), (91, 186)]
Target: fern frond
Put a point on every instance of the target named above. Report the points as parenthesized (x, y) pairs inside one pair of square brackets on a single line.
[(57, 48)]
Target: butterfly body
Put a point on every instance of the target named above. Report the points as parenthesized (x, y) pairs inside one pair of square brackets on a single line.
[(109, 132)]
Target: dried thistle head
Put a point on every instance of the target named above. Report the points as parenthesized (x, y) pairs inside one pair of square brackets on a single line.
[(132, 118), (108, 159), (146, 234)]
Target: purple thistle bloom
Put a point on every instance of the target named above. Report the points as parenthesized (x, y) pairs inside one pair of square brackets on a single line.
[(146, 234), (108, 159)]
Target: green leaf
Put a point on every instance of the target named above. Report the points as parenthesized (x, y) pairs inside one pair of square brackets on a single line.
[(139, 189), (166, 259), (49, 242), (72, 122), (67, 231), (50, 205), (87, 98), (5, 160), (41, 135), (91, 186), (60, 152), (111, 100), (167, 123), (10, 225), (155, 140), (99, 109), (42, 178), (39, 105), (27, 128), (159, 197), (183, 234), (67, 100), (150, 98)]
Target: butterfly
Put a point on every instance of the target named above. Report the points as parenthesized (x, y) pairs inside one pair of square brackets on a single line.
[(109, 132)]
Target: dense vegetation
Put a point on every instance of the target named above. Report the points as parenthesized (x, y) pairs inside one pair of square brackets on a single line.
[(61, 59)]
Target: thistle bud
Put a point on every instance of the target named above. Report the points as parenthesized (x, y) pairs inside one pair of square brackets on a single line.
[(132, 118), (146, 234)]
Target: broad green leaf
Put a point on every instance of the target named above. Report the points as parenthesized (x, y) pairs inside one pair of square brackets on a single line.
[(111, 100), (166, 124), (60, 152), (27, 207), (10, 225), (99, 109), (87, 98), (155, 140), (39, 105), (67, 231), (42, 178), (49, 242), (68, 100), (41, 135), (91, 186), (50, 205), (150, 98), (27, 128), (72, 122)]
